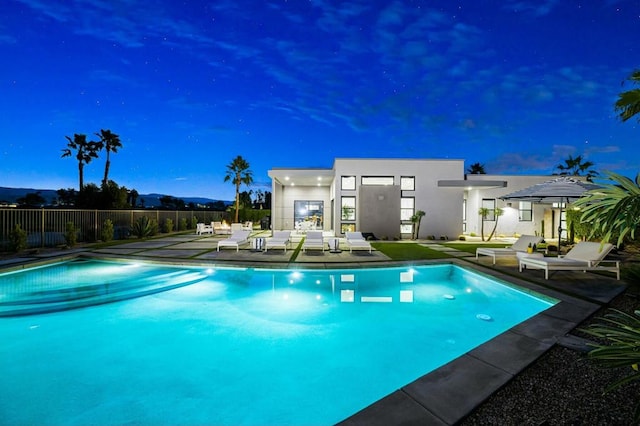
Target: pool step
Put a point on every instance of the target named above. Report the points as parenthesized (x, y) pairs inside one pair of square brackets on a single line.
[(89, 295)]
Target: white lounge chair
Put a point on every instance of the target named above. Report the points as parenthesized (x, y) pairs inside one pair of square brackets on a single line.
[(236, 239), (520, 245), (355, 240), (584, 256), (313, 240), (237, 227), (280, 239)]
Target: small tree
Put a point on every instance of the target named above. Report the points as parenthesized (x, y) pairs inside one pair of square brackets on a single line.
[(107, 231), (85, 152), (17, 239), (476, 169), (484, 214), (415, 220), (70, 234), (497, 212)]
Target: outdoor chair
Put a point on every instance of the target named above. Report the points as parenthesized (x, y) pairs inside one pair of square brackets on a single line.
[(355, 240), (584, 256), (520, 245), (280, 239), (236, 239), (313, 240)]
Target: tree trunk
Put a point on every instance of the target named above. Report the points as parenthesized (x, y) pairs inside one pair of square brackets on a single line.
[(107, 165), (482, 229), (80, 176), (237, 201), (495, 225)]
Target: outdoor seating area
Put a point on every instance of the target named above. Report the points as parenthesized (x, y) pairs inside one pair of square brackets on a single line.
[(355, 240), (280, 239)]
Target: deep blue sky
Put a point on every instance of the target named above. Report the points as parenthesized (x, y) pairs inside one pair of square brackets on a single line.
[(517, 85)]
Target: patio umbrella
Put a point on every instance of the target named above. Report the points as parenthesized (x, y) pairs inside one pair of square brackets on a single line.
[(560, 190)]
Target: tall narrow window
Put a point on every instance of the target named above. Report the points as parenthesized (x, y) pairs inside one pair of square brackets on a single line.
[(525, 211), (489, 204), (348, 208), (407, 208)]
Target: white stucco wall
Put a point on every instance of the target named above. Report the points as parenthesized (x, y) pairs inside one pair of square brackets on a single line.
[(443, 206), (509, 223)]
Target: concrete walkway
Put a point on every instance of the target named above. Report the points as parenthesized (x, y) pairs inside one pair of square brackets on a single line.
[(446, 395)]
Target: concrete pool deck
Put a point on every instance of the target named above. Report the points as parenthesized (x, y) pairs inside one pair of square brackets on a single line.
[(444, 396)]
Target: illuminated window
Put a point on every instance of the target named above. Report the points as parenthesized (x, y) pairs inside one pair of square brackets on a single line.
[(525, 211), (408, 183), (489, 204), (377, 180), (348, 208), (348, 183), (407, 208)]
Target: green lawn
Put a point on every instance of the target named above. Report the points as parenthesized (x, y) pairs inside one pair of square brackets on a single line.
[(471, 248), (408, 251)]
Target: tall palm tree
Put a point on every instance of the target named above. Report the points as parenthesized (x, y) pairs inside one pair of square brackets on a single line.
[(110, 142), (238, 173), (85, 152), (628, 103), (614, 208), (577, 167), (476, 169)]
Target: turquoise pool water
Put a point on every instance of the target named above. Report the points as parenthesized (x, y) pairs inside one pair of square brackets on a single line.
[(230, 346)]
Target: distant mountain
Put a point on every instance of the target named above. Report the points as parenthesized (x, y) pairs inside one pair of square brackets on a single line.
[(11, 195)]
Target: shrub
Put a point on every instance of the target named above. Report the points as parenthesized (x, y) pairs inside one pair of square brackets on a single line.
[(194, 223), (167, 226), (107, 231), (70, 234), (182, 225), (144, 227), (17, 239)]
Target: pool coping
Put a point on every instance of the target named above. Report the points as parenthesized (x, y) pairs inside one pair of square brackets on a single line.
[(450, 393)]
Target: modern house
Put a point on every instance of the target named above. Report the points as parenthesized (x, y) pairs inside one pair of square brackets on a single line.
[(380, 196)]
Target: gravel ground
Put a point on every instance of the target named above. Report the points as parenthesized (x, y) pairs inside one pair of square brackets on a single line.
[(563, 388)]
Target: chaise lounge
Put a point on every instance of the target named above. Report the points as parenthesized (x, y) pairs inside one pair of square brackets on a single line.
[(355, 240), (236, 239), (520, 245), (280, 239), (584, 256), (313, 240)]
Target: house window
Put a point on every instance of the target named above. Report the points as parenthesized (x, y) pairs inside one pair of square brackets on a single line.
[(308, 214), (377, 180), (408, 183), (525, 211), (489, 204), (347, 227), (348, 208), (348, 183), (406, 228), (407, 208)]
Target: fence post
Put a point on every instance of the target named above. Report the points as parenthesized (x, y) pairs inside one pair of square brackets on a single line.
[(42, 227)]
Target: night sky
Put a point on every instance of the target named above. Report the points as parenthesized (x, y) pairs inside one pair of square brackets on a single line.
[(517, 85)]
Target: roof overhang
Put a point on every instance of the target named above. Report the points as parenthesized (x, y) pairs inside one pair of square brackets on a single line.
[(471, 184), (302, 177)]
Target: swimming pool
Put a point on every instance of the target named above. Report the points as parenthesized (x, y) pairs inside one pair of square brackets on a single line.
[(239, 346)]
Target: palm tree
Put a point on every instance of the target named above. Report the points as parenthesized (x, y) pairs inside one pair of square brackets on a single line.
[(497, 212), (416, 219), (484, 213), (628, 103), (476, 169), (110, 142), (85, 152), (614, 208), (238, 173), (576, 167)]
